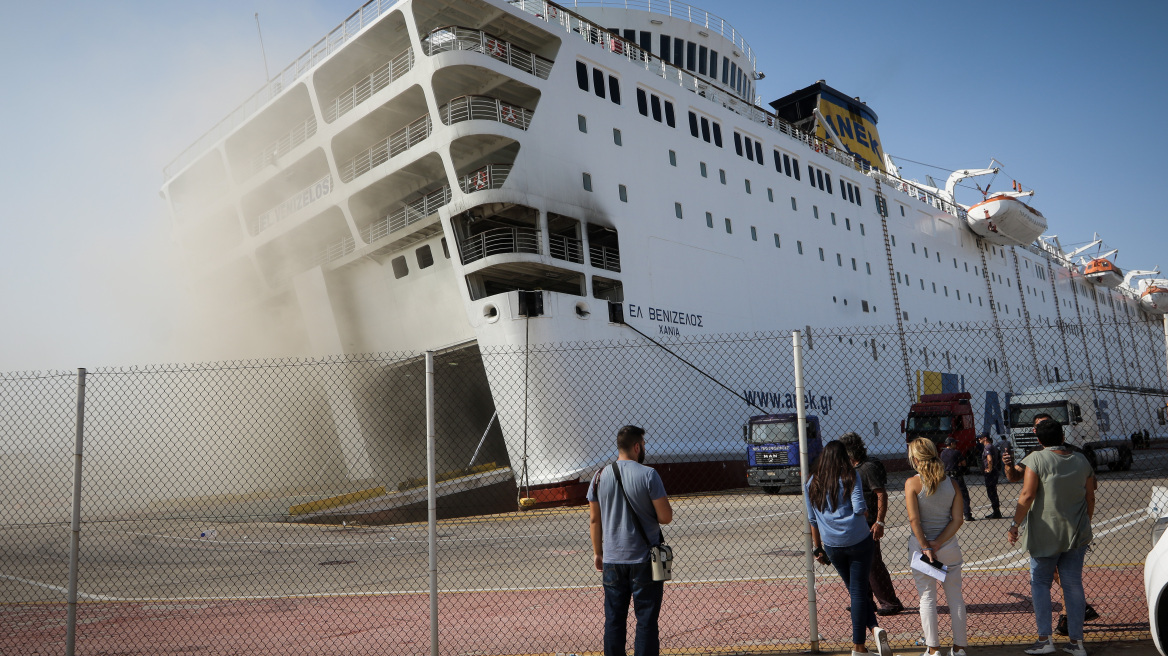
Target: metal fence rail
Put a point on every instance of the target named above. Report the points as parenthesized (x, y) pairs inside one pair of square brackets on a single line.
[(448, 39), (282, 506), (367, 86)]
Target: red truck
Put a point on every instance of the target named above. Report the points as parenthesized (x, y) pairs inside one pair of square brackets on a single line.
[(941, 416)]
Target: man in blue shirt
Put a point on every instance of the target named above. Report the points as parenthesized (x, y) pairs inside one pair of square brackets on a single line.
[(618, 548)]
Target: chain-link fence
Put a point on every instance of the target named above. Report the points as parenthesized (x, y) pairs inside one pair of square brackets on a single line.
[(281, 506)]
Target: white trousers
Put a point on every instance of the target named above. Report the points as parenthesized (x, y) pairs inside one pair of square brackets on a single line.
[(949, 554)]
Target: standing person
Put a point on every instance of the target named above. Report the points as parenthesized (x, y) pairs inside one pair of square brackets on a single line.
[(954, 462), (618, 548), (1057, 503), (991, 464), (839, 531), (935, 515), (874, 480)]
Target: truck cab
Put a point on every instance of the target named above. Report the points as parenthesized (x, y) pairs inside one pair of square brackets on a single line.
[(772, 451), (941, 416), (1073, 405)]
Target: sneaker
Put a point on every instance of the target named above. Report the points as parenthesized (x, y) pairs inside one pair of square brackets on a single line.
[(996, 515), (970, 519), (890, 610), (881, 638), (1090, 614), (956, 652), (1041, 647), (1075, 648), (1061, 627)]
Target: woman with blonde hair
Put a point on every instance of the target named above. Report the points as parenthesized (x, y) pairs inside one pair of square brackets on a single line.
[(935, 513)]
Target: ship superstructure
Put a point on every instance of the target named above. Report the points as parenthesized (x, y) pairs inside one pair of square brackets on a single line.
[(517, 173)]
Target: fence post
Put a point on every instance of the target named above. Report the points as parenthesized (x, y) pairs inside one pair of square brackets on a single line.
[(75, 540), (431, 504), (809, 558)]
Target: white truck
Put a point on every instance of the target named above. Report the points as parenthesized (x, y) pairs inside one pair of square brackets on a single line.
[(1081, 409)]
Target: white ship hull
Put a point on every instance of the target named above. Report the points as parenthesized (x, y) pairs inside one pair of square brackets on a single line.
[(547, 185)]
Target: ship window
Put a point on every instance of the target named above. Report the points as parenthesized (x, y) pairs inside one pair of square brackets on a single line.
[(770, 194), (718, 134), (815, 211), (598, 82), (847, 223), (400, 268), (958, 294), (938, 254), (702, 52), (587, 182), (833, 219), (799, 247), (691, 55), (749, 148), (954, 263), (923, 284), (819, 175), (883, 213), (614, 89), (926, 251), (582, 123), (728, 230), (893, 239), (811, 174), (758, 153), (914, 247), (630, 35), (934, 288), (897, 276), (827, 177), (713, 63), (679, 53), (839, 260), (672, 158), (655, 103), (425, 257), (793, 206), (582, 75), (706, 129), (946, 288), (862, 230), (616, 136), (693, 124), (901, 207), (445, 249), (646, 41), (778, 162), (778, 243), (642, 102), (868, 266), (738, 144), (821, 259), (677, 209), (722, 175), (748, 186), (794, 167), (665, 48), (864, 305), (725, 70), (786, 165), (733, 75), (709, 220), (854, 268), (623, 192), (669, 117), (753, 233), (705, 173)]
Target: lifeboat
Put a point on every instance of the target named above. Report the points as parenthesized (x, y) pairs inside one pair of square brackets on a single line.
[(1006, 221), (1102, 271), (1155, 298)]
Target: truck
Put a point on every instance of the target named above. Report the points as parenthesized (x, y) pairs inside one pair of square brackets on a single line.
[(1077, 406), (941, 416), (772, 451)]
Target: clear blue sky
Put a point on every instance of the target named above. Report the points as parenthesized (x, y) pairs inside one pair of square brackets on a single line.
[(97, 97)]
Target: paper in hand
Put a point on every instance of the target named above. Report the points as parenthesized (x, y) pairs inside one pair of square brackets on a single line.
[(927, 567)]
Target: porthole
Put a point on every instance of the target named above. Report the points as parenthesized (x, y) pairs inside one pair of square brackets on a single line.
[(490, 313), (582, 310)]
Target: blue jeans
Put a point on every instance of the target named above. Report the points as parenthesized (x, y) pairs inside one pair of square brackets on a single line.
[(853, 564), (622, 582), (1070, 568)]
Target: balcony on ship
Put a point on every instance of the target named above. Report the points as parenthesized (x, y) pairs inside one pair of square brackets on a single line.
[(372, 63), (385, 133), (564, 241), (454, 38), (484, 108), (480, 27), (603, 248), (267, 139), (498, 229)]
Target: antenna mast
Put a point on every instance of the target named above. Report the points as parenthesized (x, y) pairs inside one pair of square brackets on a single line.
[(267, 76)]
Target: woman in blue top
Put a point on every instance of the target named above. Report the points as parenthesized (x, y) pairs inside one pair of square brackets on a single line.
[(839, 531)]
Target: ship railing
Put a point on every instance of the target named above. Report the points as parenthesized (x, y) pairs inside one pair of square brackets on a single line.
[(408, 214), (272, 152), (382, 151), (369, 85), (499, 241), (486, 108), (331, 42), (446, 39), (293, 204), (563, 247), (604, 257), (491, 176)]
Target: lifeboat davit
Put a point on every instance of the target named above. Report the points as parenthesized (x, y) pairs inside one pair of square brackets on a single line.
[(1006, 221), (1102, 271), (1155, 299)]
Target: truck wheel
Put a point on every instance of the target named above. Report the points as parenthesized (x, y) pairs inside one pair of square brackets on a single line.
[(772, 489), (1090, 453)]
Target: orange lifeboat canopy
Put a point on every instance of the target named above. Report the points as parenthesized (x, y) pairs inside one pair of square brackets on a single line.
[(1102, 271), (1155, 299)]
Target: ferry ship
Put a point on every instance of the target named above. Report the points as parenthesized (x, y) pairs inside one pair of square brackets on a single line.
[(498, 176)]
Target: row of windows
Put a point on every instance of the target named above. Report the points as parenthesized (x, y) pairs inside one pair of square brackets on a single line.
[(598, 85), (786, 165), (753, 148), (424, 256), (709, 128), (816, 177), (652, 102), (699, 59)]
